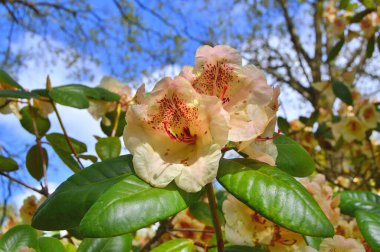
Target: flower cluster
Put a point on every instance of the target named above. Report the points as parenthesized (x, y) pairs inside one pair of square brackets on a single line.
[(185, 121), (246, 227)]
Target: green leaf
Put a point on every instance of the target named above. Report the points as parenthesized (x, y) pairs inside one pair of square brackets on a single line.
[(70, 95), (201, 211), (177, 245), (58, 140), (34, 162), (360, 15), (314, 242), (283, 124), (370, 46), (111, 117), (342, 92), (16, 94), (335, 50), (113, 244), (293, 158), (50, 244), (343, 4), (108, 147), (104, 94), (65, 208), (7, 80), (63, 150), (368, 3), (369, 225), (351, 200), (67, 159), (8, 164), (132, 204), (92, 158), (18, 236), (27, 113), (275, 195), (378, 42)]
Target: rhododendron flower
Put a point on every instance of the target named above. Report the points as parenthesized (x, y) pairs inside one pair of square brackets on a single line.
[(350, 129), (369, 24), (338, 25), (262, 148), (29, 207), (243, 90), (369, 116), (98, 109), (330, 12), (8, 106), (176, 134), (323, 194), (246, 227), (340, 244)]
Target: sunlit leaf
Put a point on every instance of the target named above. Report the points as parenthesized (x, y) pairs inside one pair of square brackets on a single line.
[(177, 245), (50, 244), (293, 158), (17, 237), (109, 147), (6, 79), (351, 200), (113, 244), (65, 208), (369, 225), (275, 195)]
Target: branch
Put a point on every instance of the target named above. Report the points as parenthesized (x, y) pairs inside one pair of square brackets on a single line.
[(293, 34), (215, 217), (317, 62), (42, 191)]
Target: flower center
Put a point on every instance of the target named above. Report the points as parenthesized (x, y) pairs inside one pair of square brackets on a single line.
[(176, 118)]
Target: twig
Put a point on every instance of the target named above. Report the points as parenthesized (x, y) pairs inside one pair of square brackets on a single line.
[(215, 217), (42, 191), (65, 134), (162, 229)]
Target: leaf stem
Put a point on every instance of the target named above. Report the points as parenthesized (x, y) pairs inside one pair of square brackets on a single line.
[(215, 218), (117, 119), (65, 134), (39, 144)]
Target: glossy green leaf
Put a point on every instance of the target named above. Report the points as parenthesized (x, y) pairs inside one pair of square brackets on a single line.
[(27, 115), (67, 159), (8, 164), (370, 46), (65, 208), (293, 158), (275, 195), (70, 95), (17, 237), (283, 124), (16, 94), (201, 211), (6, 79), (104, 94), (34, 162), (59, 140), (351, 200), (111, 117), (109, 147), (177, 245), (335, 50), (50, 244), (314, 242), (113, 244), (132, 204), (369, 225), (342, 92)]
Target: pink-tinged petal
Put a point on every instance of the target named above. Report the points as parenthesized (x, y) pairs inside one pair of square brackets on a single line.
[(248, 124), (263, 151), (340, 244), (202, 171), (187, 72), (220, 53)]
